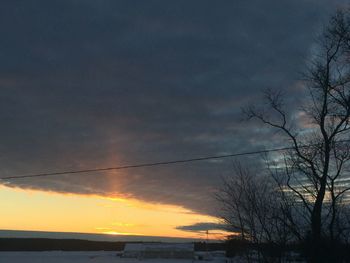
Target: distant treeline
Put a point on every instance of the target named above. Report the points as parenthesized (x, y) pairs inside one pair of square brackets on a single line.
[(268, 252), (47, 244)]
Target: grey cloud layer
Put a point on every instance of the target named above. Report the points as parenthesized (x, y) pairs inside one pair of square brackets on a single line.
[(101, 83), (201, 227)]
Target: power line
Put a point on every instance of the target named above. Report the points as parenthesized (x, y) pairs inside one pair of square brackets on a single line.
[(145, 164), (123, 167)]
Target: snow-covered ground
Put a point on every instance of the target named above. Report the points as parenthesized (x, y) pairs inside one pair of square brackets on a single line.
[(83, 257), (100, 257)]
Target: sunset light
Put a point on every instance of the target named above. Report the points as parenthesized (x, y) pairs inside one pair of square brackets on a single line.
[(174, 131), (94, 214)]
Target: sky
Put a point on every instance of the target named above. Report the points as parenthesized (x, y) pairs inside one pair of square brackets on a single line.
[(88, 84)]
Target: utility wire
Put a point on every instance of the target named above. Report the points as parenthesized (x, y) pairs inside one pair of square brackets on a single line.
[(123, 167)]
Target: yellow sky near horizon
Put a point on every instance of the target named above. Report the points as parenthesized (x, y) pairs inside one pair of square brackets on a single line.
[(49, 211)]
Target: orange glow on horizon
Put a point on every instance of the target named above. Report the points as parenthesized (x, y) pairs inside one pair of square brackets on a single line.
[(113, 233), (48, 211)]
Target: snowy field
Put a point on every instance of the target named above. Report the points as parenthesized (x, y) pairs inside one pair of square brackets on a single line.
[(82, 257)]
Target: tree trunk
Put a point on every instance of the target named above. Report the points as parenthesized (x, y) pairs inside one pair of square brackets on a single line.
[(316, 215), (316, 224)]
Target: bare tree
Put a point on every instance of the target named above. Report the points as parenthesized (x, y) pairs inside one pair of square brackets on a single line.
[(316, 167), (252, 206)]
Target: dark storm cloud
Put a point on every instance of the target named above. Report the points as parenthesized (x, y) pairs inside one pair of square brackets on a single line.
[(89, 84), (201, 227)]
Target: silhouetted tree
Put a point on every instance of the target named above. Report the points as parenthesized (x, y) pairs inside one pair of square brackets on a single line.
[(306, 198), (315, 170), (253, 208)]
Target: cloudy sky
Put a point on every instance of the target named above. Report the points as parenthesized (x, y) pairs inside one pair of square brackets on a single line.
[(88, 84)]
